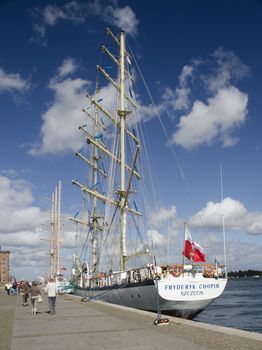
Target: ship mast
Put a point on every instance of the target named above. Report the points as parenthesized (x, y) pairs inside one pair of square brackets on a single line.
[(94, 138), (122, 115), (94, 216)]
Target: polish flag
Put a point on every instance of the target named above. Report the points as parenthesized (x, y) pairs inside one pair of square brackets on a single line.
[(192, 250)]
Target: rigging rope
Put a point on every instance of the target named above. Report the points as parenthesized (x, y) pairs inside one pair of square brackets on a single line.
[(167, 137)]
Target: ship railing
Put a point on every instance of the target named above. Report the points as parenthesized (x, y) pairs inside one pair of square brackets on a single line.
[(110, 279), (207, 270), (151, 271)]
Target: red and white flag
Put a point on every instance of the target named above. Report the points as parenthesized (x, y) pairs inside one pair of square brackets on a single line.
[(192, 250)]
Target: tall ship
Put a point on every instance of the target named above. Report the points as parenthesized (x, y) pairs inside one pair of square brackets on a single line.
[(114, 261)]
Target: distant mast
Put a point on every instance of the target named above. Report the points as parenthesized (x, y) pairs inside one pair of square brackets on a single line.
[(55, 232)]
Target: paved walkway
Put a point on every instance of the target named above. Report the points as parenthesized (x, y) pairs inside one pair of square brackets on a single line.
[(94, 325), (7, 311)]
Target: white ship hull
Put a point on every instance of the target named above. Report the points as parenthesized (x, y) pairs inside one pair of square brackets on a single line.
[(184, 296)]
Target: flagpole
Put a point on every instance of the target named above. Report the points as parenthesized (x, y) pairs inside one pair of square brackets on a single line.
[(183, 260), (223, 219)]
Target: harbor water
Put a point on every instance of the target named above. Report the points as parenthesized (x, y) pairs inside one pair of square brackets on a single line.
[(240, 306)]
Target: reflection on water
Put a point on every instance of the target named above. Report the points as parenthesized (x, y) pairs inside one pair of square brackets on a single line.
[(240, 306)]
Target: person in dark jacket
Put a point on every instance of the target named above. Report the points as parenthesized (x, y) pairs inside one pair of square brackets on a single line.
[(24, 291), (34, 292)]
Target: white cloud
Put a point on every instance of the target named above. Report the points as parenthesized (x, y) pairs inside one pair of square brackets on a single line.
[(162, 215), (227, 68), (179, 99), (147, 112), (224, 110), (123, 18), (12, 82), (240, 254), (59, 132), (156, 239), (22, 238), (16, 210), (24, 230), (72, 11), (78, 12), (68, 67), (235, 214), (217, 119), (20, 225)]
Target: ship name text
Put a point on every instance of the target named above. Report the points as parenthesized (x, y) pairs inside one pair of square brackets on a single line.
[(191, 286)]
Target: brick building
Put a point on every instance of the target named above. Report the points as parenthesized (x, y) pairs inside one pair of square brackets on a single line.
[(4, 266)]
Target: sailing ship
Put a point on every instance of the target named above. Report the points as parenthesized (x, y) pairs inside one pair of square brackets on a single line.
[(117, 272)]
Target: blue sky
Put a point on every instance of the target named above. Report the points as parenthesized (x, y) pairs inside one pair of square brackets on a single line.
[(201, 62)]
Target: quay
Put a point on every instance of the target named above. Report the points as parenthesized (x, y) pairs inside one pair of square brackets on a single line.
[(95, 325)]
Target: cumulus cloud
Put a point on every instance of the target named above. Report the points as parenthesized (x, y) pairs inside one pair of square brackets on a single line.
[(217, 119), (20, 224), (68, 67), (156, 239), (162, 215), (227, 69), (72, 11), (25, 229), (235, 214), (180, 98), (16, 210), (59, 131), (12, 82), (78, 12), (123, 18)]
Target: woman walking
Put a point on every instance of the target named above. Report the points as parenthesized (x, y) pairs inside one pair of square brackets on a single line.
[(34, 293)]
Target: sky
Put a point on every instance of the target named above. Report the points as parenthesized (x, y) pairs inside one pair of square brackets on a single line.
[(201, 61)]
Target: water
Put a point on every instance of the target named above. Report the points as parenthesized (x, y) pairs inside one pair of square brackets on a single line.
[(240, 306)]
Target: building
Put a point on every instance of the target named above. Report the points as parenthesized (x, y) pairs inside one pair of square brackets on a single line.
[(4, 266)]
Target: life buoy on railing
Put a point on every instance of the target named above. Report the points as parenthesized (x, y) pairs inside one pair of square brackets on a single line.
[(176, 270), (101, 279), (208, 270), (101, 282)]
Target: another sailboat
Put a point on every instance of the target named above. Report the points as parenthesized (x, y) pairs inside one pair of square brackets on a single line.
[(183, 289)]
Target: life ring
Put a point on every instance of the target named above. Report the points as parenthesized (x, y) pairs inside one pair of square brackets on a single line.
[(101, 279), (209, 270), (176, 270), (101, 282)]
